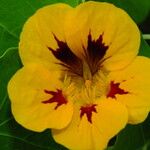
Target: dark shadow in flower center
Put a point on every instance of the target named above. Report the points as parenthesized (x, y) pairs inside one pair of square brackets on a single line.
[(94, 54), (88, 110), (67, 57)]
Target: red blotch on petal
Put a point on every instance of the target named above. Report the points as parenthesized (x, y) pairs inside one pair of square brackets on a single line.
[(57, 97), (88, 110), (115, 89)]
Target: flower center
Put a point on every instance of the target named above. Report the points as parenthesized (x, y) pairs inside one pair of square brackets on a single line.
[(84, 73), (88, 110), (57, 97)]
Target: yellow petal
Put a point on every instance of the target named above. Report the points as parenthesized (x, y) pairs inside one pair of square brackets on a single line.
[(115, 26), (134, 80), (38, 100), (108, 119), (38, 34), (137, 115)]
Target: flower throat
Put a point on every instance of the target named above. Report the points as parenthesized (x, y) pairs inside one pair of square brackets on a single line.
[(93, 56)]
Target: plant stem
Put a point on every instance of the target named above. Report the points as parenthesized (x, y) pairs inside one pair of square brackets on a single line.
[(146, 36)]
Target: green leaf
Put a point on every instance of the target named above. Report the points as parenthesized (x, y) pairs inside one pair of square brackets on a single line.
[(14, 13), (137, 9), (144, 48), (145, 146), (9, 64), (131, 138), (6, 40), (146, 129), (134, 137)]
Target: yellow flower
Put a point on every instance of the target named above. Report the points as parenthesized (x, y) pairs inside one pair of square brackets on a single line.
[(81, 76)]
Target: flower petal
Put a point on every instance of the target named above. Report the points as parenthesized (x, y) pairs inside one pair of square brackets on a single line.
[(137, 115), (39, 34), (113, 25), (108, 119), (38, 100), (135, 82)]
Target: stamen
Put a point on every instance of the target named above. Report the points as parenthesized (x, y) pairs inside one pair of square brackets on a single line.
[(88, 83), (57, 97), (115, 89), (88, 110)]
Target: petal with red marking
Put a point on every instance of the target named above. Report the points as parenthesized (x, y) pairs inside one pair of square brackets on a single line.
[(38, 100), (134, 82), (93, 126)]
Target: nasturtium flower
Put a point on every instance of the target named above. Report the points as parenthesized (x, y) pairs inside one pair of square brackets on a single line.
[(81, 76)]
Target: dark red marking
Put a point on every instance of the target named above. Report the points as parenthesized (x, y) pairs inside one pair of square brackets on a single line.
[(94, 53), (88, 110), (57, 97), (67, 57), (115, 89)]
